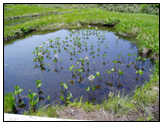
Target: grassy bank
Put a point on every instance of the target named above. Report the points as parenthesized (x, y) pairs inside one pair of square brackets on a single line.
[(20, 11), (146, 30), (145, 27)]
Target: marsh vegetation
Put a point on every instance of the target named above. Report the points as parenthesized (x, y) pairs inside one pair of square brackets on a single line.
[(84, 65)]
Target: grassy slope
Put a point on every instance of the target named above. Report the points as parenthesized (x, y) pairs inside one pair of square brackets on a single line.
[(22, 10), (145, 27)]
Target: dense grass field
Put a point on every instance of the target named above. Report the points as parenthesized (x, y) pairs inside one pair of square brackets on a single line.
[(144, 27)]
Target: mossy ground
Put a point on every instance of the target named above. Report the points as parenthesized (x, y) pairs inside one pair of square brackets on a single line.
[(144, 27)]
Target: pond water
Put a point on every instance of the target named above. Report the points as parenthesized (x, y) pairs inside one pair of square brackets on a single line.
[(105, 51)]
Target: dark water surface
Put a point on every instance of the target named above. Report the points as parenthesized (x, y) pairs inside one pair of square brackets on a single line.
[(20, 69)]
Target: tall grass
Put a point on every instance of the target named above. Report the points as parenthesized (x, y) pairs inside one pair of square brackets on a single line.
[(9, 103)]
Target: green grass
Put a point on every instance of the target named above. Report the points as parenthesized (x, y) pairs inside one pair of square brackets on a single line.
[(24, 10), (9, 103)]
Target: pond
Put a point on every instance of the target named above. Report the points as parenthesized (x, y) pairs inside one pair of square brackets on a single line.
[(88, 62)]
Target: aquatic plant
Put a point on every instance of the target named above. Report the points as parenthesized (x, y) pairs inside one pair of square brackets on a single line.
[(134, 54), (67, 97), (32, 102), (120, 72), (60, 61), (34, 59), (98, 74), (115, 61), (140, 72), (39, 54), (113, 69), (144, 59), (56, 55), (54, 61), (86, 58), (48, 98), (40, 46), (94, 88), (88, 88), (91, 78), (17, 90), (38, 83), (71, 68)]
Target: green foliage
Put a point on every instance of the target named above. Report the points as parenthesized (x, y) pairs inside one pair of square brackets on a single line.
[(139, 72), (71, 67), (48, 97), (129, 54), (75, 103), (115, 61), (98, 74), (120, 72), (146, 94), (62, 97), (108, 71), (88, 88), (9, 103), (17, 90), (31, 95), (69, 96), (38, 83)]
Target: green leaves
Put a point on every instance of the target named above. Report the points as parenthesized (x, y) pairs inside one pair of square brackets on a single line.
[(61, 83), (38, 83), (88, 88), (54, 61), (69, 96), (144, 59), (55, 51), (136, 59), (134, 54), (120, 72), (17, 90), (80, 70), (112, 69), (31, 95), (71, 67), (93, 87), (33, 102), (139, 58), (115, 61), (108, 71), (48, 97), (61, 97), (140, 72), (77, 63), (64, 85), (34, 59), (129, 54), (98, 74)]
